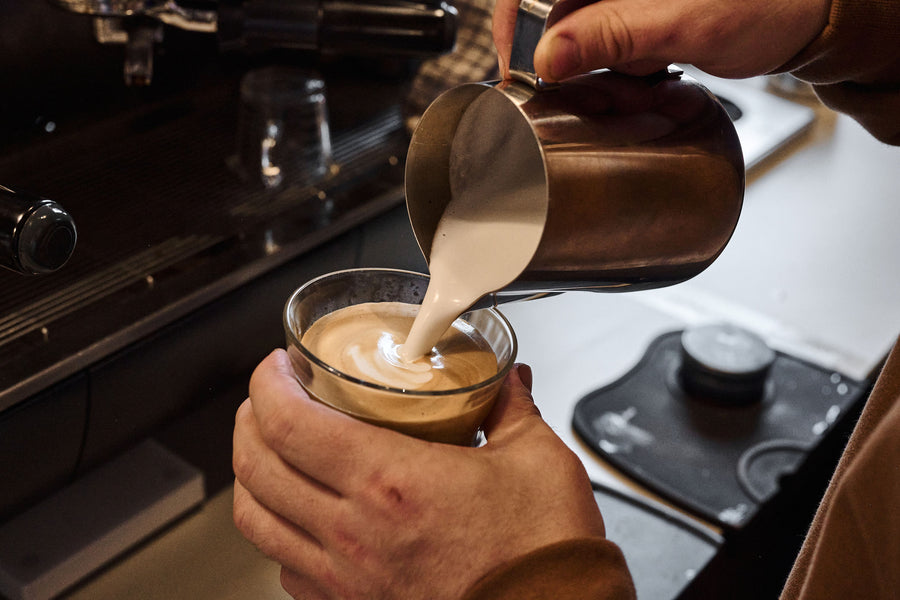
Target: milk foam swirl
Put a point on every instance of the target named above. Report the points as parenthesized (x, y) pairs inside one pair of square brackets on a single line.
[(385, 366), (365, 342)]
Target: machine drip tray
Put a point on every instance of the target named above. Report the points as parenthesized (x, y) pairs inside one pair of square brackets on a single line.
[(720, 458)]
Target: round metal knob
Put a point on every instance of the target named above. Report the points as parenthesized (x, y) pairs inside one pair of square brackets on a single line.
[(36, 234)]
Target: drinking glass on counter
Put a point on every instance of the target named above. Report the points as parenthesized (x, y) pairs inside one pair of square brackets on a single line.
[(283, 136)]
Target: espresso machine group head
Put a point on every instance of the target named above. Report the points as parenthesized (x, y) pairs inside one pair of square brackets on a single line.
[(352, 27)]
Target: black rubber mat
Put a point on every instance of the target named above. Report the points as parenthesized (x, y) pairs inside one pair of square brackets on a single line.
[(720, 461)]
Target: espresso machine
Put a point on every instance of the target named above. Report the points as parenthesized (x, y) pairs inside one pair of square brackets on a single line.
[(144, 276)]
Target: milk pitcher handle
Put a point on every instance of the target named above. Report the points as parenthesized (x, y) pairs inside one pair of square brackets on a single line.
[(532, 20)]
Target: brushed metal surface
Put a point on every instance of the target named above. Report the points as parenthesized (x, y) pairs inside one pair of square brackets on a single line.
[(642, 178)]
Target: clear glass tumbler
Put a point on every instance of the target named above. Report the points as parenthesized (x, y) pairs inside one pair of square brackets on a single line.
[(283, 136), (449, 416)]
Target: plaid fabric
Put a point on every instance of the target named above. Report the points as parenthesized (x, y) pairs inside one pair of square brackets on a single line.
[(473, 58)]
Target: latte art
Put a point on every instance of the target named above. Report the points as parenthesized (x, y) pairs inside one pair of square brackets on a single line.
[(385, 366), (363, 341)]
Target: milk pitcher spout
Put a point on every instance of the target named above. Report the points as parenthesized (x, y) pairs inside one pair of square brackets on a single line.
[(637, 182)]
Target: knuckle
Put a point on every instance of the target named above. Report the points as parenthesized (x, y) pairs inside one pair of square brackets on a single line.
[(391, 494), (260, 531), (619, 45), (278, 431), (243, 515), (244, 464), (570, 465), (349, 545), (547, 448), (243, 413)]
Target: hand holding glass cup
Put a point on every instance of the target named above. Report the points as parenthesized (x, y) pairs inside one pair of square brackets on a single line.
[(445, 414)]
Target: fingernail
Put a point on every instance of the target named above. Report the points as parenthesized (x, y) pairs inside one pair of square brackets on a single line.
[(525, 376), (564, 55)]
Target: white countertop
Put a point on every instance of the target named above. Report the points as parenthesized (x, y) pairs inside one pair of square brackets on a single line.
[(812, 267)]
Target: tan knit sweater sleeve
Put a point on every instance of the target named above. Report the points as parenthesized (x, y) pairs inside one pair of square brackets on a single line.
[(853, 547), (579, 569), (854, 65)]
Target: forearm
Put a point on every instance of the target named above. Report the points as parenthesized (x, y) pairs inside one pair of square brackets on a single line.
[(854, 64)]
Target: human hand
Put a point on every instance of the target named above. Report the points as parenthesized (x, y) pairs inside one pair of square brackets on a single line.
[(726, 39), (351, 510)]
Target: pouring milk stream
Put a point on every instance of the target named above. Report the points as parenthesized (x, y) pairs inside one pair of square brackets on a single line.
[(487, 235)]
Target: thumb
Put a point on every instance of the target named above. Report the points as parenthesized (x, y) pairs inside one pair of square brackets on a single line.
[(514, 406), (608, 34)]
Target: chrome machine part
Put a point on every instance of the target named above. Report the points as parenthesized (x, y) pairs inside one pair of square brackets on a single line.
[(390, 27), (165, 11), (37, 235)]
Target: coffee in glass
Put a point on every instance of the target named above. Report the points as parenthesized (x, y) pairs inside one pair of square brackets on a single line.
[(343, 333)]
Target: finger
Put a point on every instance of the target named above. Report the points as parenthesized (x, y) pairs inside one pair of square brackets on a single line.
[(514, 408), (324, 444), (274, 484), (642, 36), (503, 27), (634, 35), (277, 538), (526, 376)]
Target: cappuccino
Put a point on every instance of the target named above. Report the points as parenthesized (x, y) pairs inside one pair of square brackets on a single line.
[(362, 341), (343, 331)]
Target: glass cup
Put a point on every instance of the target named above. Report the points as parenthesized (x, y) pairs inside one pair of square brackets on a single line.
[(449, 416), (283, 134)]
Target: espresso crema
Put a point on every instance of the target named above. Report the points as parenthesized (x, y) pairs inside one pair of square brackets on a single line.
[(363, 341)]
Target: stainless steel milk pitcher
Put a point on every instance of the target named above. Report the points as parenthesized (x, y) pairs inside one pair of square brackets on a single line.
[(640, 180)]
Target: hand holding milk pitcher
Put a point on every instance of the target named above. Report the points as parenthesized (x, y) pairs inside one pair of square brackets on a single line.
[(632, 182)]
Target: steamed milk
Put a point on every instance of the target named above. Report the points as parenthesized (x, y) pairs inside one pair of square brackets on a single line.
[(492, 225), (487, 236)]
